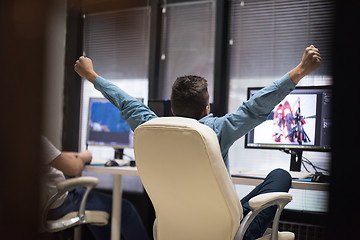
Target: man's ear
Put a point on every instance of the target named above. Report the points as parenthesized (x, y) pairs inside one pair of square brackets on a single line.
[(172, 111), (208, 109)]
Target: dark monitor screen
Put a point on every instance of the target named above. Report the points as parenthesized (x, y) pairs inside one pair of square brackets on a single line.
[(301, 121), (162, 108), (106, 127)]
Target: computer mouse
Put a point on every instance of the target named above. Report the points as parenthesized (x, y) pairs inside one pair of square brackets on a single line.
[(111, 163), (320, 177)]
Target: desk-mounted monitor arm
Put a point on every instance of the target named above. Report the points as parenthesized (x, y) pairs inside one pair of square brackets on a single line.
[(295, 160)]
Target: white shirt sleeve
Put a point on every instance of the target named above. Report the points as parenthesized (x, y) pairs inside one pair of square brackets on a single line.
[(49, 151)]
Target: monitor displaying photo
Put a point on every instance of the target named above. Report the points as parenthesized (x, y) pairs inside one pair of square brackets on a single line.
[(301, 120)]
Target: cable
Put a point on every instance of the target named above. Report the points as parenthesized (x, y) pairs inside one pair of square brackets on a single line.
[(307, 161), (130, 157), (303, 164)]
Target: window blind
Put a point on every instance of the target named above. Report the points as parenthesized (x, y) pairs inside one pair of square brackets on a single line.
[(118, 42), (187, 42), (268, 38)]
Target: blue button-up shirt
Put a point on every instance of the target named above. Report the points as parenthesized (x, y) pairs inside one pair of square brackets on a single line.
[(228, 128)]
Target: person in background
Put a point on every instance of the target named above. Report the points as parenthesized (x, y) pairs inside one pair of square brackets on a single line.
[(190, 98), (58, 164)]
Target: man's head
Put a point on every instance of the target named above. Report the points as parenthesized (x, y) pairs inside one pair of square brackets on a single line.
[(190, 97)]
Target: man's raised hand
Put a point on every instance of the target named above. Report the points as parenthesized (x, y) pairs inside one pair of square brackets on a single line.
[(85, 69), (310, 61)]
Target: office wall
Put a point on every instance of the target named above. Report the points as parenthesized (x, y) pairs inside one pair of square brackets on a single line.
[(54, 72)]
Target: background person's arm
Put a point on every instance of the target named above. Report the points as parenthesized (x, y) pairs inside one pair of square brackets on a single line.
[(71, 163)]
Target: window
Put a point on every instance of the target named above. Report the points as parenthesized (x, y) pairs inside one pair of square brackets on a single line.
[(187, 42), (118, 44), (274, 33), (266, 40)]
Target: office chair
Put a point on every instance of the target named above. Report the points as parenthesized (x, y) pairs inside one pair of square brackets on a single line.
[(80, 217), (181, 167)]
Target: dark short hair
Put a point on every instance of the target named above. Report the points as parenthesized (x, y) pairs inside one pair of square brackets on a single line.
[(189, 96)]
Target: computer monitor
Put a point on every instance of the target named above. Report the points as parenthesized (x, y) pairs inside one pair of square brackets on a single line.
[(106, 127), (300, 122), (162, 108)]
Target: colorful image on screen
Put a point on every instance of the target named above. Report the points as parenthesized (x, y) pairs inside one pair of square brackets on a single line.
[(293, 121), (302, 120)]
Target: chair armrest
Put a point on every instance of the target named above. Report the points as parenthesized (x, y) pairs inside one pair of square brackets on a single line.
[(265, 198), (73, 183), (261, 202), (63, 187)]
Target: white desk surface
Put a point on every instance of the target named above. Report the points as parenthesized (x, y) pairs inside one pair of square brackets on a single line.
[(112, 170), (296, 184)]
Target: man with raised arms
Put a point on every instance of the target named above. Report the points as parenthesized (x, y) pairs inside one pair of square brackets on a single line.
[(190, 98)]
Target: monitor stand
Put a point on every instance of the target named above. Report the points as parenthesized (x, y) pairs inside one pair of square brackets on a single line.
[(295, 160), (119, 153)]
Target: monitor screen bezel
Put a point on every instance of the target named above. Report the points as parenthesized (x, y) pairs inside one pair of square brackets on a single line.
[(115, 146), (287, 146)]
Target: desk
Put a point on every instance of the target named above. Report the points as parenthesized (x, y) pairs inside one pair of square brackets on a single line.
[(117, 193), (117, 189), (296, 184)]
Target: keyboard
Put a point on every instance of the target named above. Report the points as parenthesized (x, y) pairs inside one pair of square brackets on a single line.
[(261, 174)]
